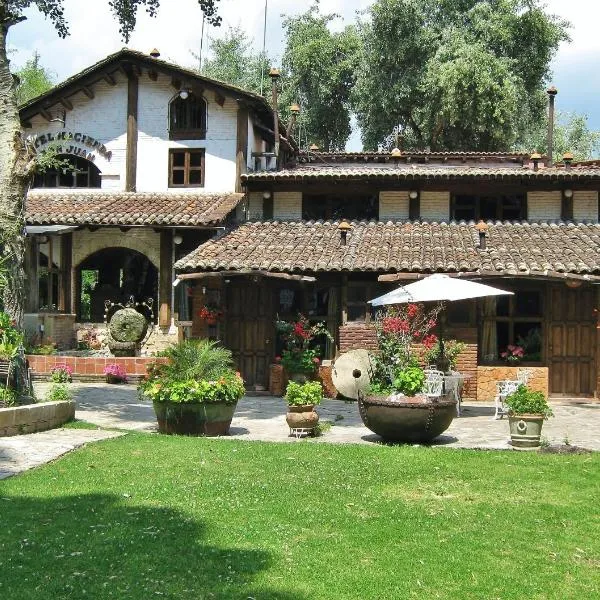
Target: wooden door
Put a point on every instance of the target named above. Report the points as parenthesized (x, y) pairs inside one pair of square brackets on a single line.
[(572, 342), (250, 328)]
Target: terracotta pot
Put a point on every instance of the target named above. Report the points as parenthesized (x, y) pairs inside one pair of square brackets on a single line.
[(302, 417), (525, 430), (211, 418), (417, 419)]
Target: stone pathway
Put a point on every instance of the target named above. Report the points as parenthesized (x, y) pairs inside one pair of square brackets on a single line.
[(263, 418)]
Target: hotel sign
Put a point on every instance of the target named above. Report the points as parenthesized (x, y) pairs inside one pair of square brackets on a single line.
[(67, 142)]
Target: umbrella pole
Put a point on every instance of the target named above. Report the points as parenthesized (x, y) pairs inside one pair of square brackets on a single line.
[(443, 364)]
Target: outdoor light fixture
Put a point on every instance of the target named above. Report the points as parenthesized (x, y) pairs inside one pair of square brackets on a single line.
[(177, 239), (568, 193), (413, 194), (266, 195), (573, 283), (184, 94)]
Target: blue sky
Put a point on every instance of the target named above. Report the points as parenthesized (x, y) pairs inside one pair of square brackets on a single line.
[(94, 35)]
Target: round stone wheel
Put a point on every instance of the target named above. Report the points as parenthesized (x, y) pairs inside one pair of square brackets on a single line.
[(127, 325)]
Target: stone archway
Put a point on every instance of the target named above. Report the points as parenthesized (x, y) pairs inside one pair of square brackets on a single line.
[(113, 274)]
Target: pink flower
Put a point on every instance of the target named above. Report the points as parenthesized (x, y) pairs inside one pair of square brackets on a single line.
[(278, 359), (316, 360)]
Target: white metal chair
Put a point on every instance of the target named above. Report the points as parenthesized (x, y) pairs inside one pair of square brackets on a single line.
[(434, 384), (523, 376), (454, 384), (503, 389)]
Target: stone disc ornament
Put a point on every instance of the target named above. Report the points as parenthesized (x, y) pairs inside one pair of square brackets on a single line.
[(351, 373), (128, 325)]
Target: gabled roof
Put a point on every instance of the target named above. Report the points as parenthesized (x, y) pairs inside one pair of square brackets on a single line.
[(131, 62), (128, 209), (521, 248)]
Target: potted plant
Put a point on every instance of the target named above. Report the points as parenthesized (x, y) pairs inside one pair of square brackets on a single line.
[(452, 350), (401, 406), (211, 314), (300, 358), (527, 411), (115, 374), (61, 373), (195, 392), (11, 339), (302, 399), (513, 354)]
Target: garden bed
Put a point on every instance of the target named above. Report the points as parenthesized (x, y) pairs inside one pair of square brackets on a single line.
[(30, 418)]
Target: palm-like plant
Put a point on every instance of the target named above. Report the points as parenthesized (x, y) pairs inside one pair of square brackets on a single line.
[(196, 359)]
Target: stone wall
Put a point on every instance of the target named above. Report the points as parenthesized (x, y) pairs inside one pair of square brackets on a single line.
[(487, 377), (35, 417)]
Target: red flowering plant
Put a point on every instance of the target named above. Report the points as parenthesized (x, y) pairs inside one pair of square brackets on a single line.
[(210, 314), (400, 328), (301, 353), (513, 354)]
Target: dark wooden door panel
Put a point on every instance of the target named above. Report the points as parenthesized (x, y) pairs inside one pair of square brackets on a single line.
[(572, 342)]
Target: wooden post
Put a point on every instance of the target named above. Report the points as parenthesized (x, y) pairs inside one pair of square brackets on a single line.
[(32, 295), (64, 286), (132, 132), (241, 156), (165, 278)]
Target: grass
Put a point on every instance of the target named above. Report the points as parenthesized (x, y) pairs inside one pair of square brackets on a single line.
[(146, 516), (79, 424)]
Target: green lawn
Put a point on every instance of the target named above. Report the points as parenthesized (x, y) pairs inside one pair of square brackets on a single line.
[(146, 516)]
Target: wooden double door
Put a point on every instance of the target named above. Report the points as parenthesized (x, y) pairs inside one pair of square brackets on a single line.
[(572, 341), (250, 328)]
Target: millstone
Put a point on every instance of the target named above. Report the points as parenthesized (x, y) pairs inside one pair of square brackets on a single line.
[(127, 325)]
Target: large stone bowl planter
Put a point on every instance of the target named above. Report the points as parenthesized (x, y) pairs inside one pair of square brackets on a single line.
[(525, 430), (417, 420), (186, 418)]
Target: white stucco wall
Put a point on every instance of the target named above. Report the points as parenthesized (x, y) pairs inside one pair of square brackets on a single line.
[(154, 145), (104, 118)]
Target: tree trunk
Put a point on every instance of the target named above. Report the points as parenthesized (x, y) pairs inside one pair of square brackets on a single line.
[(14, 176)]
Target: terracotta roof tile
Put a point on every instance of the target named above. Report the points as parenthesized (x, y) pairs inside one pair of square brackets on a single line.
[(121, 208), (512, 248), (408, 172)]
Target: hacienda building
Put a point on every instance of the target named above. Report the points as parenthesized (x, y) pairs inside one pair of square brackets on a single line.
[(180, 189)]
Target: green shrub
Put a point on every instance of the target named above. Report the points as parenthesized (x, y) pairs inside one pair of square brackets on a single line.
[(527, 402), (409, 381), (452, 349), (8, 397), (302, 394), (59, 392)]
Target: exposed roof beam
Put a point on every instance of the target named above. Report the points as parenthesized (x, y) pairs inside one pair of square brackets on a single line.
[(110, 79), (219, 99), (152, 74), (66, 103), (44, 112), (88, 91)]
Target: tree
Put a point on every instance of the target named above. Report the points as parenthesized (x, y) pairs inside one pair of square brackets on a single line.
[(571, 134), (234, 61), (34, 80), (319, 71), (454, 74), (17, 161)]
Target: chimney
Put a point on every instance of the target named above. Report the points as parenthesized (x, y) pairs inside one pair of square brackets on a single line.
[(274, 75), (294, 112), (551, 91), (344, 227), (154, 53), (567, 159), (535, 159), (482, 230)]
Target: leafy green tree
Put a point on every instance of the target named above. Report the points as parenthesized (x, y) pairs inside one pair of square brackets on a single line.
[(17, 162), (571, 134), (234, 61), (34, 80), (319, 71), (454, 74)]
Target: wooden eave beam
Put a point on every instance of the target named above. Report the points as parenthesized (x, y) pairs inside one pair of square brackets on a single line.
[(152, 74), (44, 112), (66, 103), (88, 91), (286, 276), (219, 99), (110, 79)]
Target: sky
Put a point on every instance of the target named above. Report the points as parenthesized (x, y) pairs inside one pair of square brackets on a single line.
[(177, 33)]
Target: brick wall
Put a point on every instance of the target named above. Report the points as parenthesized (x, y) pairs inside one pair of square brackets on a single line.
[(355, 336), (255, 206), (287, 205), (585, 205), (393, 205), (90, 367), (435, 206), (544, 206), (58, 328)]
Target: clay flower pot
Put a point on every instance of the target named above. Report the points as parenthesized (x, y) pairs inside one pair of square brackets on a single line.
[(302, 417)]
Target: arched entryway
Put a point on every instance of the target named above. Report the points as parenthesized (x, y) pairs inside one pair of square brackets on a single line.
[(114, 274)]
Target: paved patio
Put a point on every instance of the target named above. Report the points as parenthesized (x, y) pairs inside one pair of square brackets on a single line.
[(263, 418)]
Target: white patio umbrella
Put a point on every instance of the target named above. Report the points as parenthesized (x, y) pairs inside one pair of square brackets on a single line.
[(438, 288)]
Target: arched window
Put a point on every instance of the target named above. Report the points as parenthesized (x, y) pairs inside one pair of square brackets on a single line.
[(187, 117), (76, 172)]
